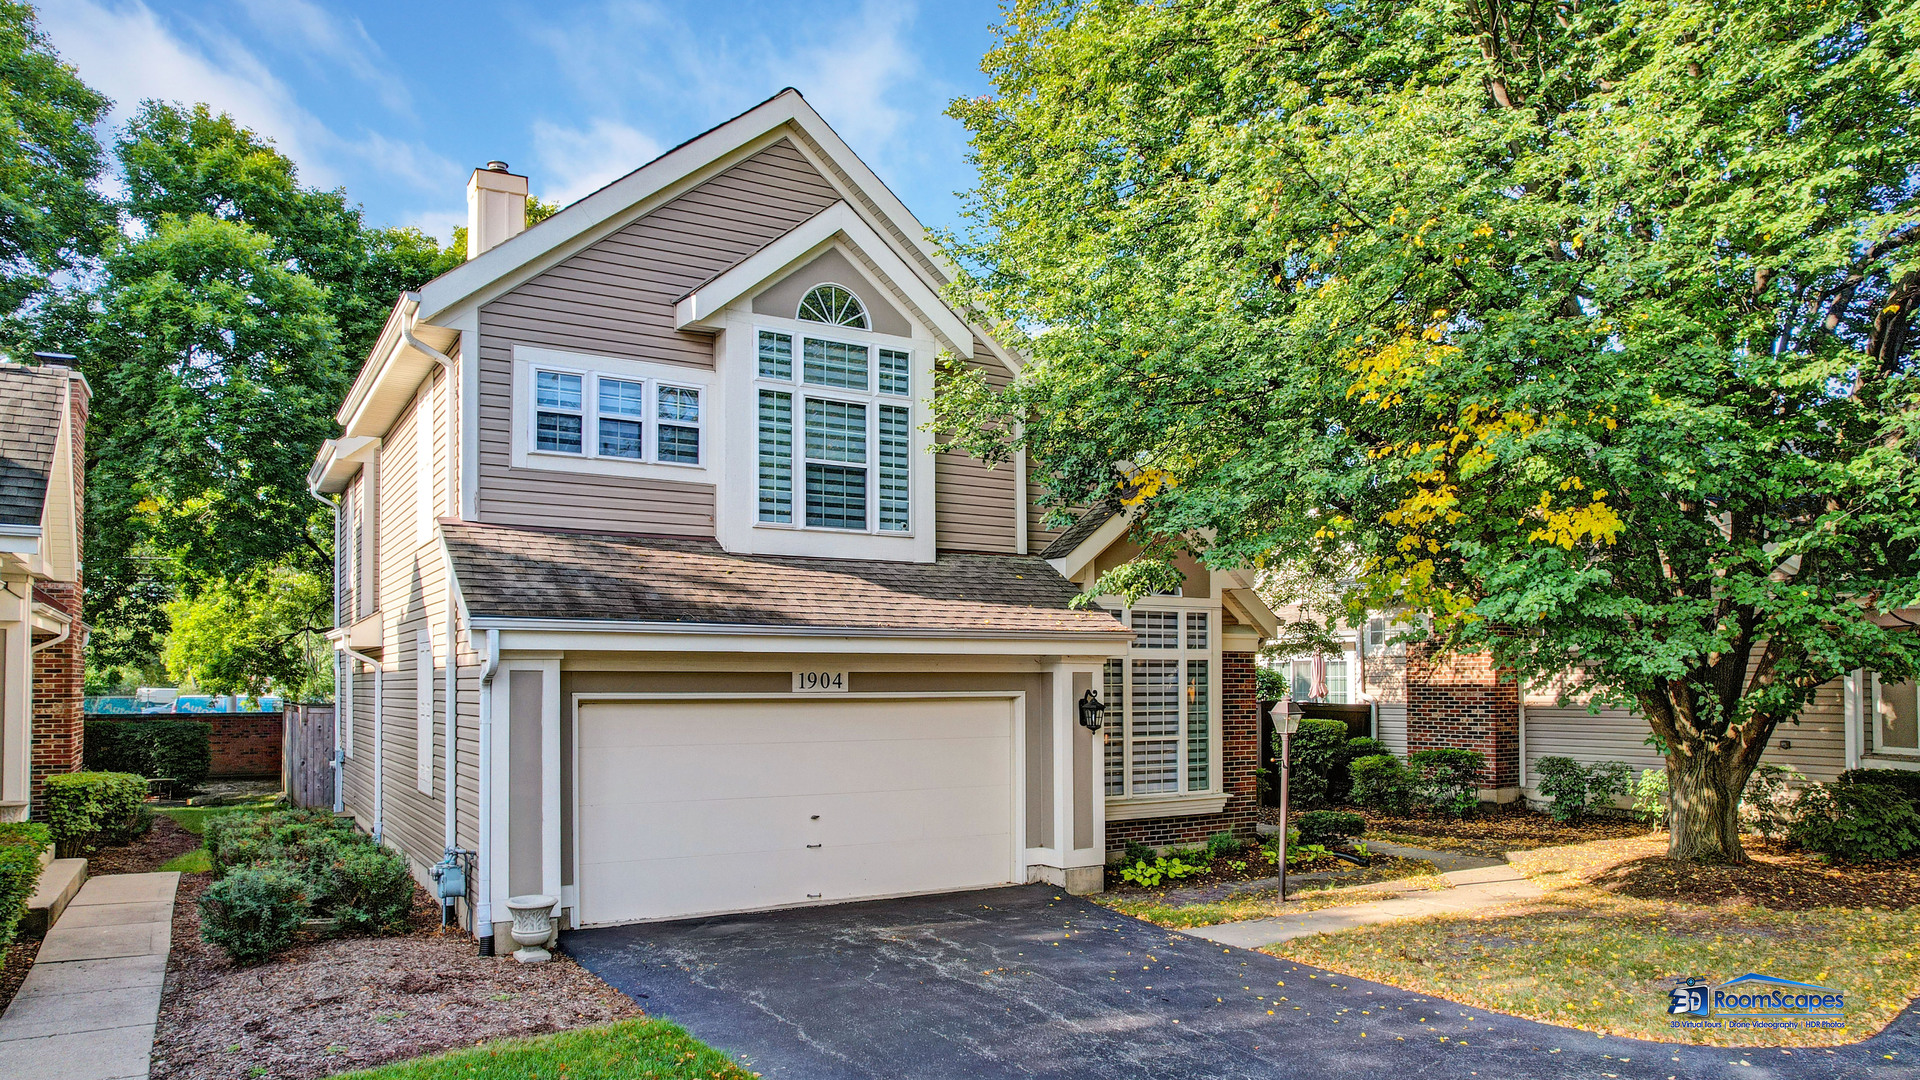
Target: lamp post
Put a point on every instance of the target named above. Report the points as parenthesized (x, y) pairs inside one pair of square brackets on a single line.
[(1285, 723)]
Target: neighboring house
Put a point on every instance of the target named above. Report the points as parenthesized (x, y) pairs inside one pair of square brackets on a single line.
[(43, 424), (640, 506)]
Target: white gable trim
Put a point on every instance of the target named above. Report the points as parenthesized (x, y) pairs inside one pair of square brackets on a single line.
[(703, 307), (1073, 562)]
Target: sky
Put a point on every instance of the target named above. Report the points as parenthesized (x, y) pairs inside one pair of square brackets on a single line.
[(398, 102)]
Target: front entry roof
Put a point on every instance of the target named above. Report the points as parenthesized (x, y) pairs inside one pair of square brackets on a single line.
[(527, 574)]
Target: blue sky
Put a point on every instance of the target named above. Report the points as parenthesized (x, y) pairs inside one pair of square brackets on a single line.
[(398, 101)]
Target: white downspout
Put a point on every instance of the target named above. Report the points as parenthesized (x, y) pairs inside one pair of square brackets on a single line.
[(339, 753), (379, 741), (66, 631), (483, 861), (452, 711)]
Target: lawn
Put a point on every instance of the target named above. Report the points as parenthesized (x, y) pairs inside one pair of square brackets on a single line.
[(1383, 880), (1593, 955), (627, 1050), (194, 820)]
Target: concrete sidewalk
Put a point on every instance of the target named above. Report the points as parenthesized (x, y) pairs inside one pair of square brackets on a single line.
[(88, 1007), (1473, 888)]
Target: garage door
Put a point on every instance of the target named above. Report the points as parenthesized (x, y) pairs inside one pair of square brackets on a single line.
[(696, 806)]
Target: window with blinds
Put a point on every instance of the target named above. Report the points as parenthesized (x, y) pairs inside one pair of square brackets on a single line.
[(1160, 705), (848, 463)]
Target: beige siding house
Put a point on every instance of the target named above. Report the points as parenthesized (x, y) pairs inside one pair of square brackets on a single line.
[(656, 595)]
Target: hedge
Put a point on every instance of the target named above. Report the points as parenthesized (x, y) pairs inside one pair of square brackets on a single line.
[(87, 809), (180, 750), (1904, 781), (21, 843)]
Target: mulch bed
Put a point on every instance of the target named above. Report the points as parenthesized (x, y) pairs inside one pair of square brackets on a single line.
[(1776, 878), (332, 1006), (15, 961), (165, 841), (1256, 867), (1493, 831)]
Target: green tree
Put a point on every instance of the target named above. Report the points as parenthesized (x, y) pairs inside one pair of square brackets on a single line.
[(1586, 326), (253, 635), (52, 217)]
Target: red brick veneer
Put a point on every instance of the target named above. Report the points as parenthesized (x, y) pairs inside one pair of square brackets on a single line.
[(1239, 760), (245, 744), (1461, 700), (59, 729)]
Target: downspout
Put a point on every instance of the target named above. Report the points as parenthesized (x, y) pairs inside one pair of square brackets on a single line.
[(452, 711), (66, 631), (379, 739), (339, 754), (483, 862)]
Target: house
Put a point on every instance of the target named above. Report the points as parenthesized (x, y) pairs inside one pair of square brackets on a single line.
[(655, 594), (43, 424)]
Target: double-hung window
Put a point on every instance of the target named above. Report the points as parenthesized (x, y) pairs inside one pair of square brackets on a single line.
[(835, 433), (1893, 715), (593, 415), (1160, 702)]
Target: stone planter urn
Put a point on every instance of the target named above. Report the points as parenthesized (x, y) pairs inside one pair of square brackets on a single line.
[(532, 927)]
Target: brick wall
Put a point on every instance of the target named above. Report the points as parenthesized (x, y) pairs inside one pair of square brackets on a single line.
[(1460, 700), (1239, 761), (245, 744), (59, 730)]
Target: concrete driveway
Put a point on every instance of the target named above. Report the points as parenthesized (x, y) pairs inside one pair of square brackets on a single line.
[(1026, 981)]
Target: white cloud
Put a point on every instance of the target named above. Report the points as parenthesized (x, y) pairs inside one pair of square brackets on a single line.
[(577, 161), (303, 28)]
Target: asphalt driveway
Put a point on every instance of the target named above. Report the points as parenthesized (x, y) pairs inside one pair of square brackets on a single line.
[(1026, 982)]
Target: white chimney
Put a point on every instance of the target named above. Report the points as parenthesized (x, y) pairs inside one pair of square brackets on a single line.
[(496, 207)]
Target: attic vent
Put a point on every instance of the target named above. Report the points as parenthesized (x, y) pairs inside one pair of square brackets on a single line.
[(834, 306)]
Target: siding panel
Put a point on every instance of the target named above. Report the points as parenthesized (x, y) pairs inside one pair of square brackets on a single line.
[(617, 299)]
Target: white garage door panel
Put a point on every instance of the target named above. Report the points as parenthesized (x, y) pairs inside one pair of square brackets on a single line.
[(689, 807)]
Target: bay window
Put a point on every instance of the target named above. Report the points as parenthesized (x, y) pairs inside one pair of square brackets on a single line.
[(1161, 701)]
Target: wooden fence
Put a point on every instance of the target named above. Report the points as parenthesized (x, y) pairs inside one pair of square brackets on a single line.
[(308, 743)]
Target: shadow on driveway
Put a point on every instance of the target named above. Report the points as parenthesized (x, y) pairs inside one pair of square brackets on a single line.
[(1026, 981)]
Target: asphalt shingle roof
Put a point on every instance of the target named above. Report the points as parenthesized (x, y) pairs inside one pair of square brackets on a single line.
[(30, 402), (526, 573), (1078, 532)]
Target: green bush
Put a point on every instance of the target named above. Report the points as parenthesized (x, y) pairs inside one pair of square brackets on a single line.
[(1905, 781), (180, 750), (1650, 796), (1135, 852), (21, 843), (1856, 822), (1318, 762), (1383, 784), (1767, 805), (236, 839), (87, 809), (253, 913), (1576, 789), (370, 889), (1323, 826), (1224, 845), (1365, 746), (1449, 779)]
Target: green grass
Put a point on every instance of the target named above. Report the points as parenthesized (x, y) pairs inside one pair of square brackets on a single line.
[(197, 861), (194, 818), (627, 1050)]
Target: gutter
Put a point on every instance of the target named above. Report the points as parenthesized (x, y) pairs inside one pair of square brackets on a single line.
[(1119, 633), (483, 871), (66, 630), (20, 530), (406, 333)]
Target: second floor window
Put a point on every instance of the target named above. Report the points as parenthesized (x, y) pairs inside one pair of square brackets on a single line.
[(835, 443), (591, 415)]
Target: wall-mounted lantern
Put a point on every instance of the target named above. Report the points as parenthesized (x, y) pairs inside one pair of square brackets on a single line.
[(1091, 711)]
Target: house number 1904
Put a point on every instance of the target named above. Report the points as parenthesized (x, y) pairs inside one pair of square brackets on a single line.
[(819, 682)]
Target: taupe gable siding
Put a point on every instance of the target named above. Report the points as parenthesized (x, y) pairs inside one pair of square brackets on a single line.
[(617, 299), (974, 504)]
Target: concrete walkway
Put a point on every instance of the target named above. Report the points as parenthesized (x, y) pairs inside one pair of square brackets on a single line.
[(1473, 888), (88, 1007)]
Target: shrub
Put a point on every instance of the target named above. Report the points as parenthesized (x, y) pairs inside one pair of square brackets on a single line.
[(1578, 789), (181, 750), (1650, 796), (1905, 781), (1767, 805), (369, 889), (21, 843), (1224, 845), (236, 839), (1382, 784), (1322, 826), (1136, 852), (1365, 746), (253, 913), (87, 809), (1449, 779), (1319, 754), (1856, 822), (1149, 875)]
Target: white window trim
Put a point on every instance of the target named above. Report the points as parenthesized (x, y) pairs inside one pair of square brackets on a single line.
[(525, 455), (423, 687), (1183, 802), (1870, 713), (871, 398), (866, 311)]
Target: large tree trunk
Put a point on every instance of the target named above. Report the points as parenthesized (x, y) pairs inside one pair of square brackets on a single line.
[(1704, 792)]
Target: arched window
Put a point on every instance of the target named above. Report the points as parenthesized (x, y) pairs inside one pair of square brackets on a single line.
[(834, 306)]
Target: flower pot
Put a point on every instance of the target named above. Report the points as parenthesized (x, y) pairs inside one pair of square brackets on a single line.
[(532, 927)]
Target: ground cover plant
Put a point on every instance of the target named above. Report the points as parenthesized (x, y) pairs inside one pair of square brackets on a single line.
[(628, 1050), (1383, 879), (1622, 923)]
